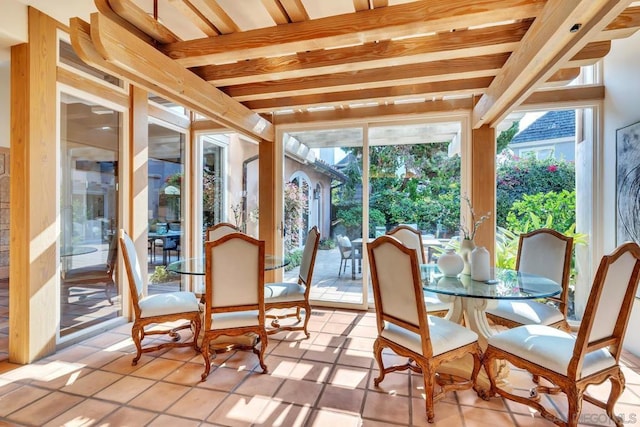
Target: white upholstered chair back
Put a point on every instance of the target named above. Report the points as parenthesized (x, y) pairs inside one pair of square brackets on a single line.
[(618, 279), (397, 287), (545, 253), (411, 238), (235, 271), (132, 265), (309, 255), (610, 301), (221, 229)]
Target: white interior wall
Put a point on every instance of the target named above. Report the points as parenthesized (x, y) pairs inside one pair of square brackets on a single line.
[(621, 108)]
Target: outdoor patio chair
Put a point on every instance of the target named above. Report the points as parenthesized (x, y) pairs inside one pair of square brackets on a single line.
[(405, 328), (234, 293), (158, 308), (346, 253), (287, 295), (411, 238), (220, 229), (92, 275), (572, 363), (546, 253)]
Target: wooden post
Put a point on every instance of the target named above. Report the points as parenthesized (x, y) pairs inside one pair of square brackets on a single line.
[(34, 267), (483, 185)]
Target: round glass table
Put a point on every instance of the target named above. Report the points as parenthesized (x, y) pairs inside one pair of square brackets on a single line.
[(471, 298), (195, 266)]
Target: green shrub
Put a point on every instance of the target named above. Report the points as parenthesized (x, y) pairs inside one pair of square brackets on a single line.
[(560, 207), (161, 275), (326, 244), (295, 258)]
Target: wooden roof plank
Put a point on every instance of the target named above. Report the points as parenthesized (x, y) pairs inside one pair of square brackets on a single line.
[(548, 44), (126, 51), (361, 27), (194, 15), (131, 13), (465, 43), (212, 11)]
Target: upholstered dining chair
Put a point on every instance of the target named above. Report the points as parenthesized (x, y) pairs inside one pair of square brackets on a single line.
[(411, 238), (220, 229), (94, 274), (234, 293), (287, 295), (157, 308), (406, 329), (546, 253), (572, 363)]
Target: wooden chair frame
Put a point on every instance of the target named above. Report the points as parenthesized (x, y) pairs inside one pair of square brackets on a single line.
[(211, 310), (220, 229), (562, 299), (304, 279), (138, 331), (425, 363), (572, 384)]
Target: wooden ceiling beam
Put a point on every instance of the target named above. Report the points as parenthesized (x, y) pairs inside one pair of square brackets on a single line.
[(448, 69), (295, 10), (402, 20), (212, 11), (624, 25), (466, 43), (124, 50), (382, 111), (276, 11), (131, 13), (548, 44), (360, 5), (381, 95), (194, 16), (567, 96), (104, 7)]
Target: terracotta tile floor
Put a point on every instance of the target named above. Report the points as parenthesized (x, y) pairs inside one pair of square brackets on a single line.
[(326, 380)]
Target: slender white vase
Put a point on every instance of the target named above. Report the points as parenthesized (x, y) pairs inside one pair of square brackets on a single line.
[(450, 263), (466, 246), (480, 269)]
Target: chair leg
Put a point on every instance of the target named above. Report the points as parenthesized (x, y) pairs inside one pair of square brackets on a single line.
[(204, 350), (377, 353), (137, 334), (264, 340), (429, 382)]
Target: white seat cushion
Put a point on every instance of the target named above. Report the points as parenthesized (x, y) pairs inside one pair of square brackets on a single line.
[(549, 347), (236, 319), (433, 303), (527, 312), (168, 303), (283, 292), (445, 336)]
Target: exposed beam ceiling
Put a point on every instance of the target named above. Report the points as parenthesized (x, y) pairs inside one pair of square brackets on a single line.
[(317, 60)]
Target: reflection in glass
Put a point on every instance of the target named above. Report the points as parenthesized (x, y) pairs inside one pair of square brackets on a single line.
[(89, 140)]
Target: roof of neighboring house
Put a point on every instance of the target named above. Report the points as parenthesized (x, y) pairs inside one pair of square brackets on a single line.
[(552, 125), (324, 167)]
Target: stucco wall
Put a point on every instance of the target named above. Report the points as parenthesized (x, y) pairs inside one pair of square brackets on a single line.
[(621, 108)]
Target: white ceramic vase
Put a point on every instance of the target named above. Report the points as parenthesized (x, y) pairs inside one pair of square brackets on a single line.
[(466, 246), (450, 263), (480, 269)]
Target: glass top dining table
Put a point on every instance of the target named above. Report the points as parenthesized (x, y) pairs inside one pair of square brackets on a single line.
[(505, 284), (195, 266)]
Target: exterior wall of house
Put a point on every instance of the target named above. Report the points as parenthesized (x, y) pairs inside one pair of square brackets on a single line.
[(324, 222), (561, 149), (621, 67)]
